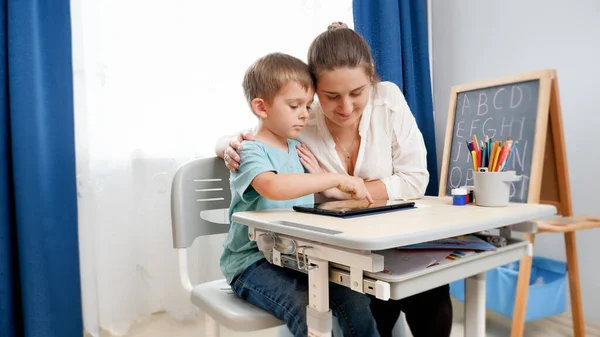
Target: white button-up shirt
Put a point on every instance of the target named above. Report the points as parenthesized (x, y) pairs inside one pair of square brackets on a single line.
[(391, 148)]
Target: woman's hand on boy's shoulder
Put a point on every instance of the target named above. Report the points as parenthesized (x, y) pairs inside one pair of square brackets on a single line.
[(231, 157), (308, 159)]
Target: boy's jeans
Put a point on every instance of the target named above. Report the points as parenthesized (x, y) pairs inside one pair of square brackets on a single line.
[(284, 293)]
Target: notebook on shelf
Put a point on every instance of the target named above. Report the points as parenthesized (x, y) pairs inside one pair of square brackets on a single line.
[(463, 242)]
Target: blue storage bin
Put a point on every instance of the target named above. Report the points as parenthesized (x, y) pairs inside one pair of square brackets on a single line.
[(546, 289)]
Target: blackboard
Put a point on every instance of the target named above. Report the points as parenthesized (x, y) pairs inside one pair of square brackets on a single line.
[(527, 108), (508, 110)]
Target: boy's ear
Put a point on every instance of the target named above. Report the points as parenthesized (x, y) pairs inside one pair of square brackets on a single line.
[(259, 107)]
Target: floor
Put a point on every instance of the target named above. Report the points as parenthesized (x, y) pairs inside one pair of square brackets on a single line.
[(162, 325)]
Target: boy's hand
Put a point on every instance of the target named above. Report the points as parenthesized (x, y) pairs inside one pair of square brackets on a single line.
[(355, 187), (231, 157), (334, 193), (308, 159)]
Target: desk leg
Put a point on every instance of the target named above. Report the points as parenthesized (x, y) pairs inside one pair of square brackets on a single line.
[(318, 316), (475, 306)]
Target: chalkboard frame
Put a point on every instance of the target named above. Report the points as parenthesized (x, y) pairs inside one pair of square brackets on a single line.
[(545, 78)]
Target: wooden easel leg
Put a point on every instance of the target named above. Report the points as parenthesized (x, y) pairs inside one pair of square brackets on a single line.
[(575, 290), (518, 321)]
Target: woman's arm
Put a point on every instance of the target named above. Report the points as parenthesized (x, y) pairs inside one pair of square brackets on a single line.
[(222, 145), (409, 155), (377, 189)]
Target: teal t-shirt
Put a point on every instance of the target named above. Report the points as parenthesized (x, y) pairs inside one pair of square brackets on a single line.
[(239, 252)]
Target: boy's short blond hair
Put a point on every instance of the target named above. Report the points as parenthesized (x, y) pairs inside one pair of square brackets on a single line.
[(265, 77)]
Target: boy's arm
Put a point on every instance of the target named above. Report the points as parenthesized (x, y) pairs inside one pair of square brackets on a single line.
[(285, 186), (257, 176), (334, 193)]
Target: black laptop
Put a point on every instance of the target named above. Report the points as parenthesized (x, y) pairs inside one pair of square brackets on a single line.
[(343, 208)]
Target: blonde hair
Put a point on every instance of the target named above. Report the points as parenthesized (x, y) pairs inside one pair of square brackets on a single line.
[(339, 47), (267, 75)]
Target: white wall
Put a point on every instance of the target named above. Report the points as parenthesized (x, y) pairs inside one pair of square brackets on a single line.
[(476, 40)]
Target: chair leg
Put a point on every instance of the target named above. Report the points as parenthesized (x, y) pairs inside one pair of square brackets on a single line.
[(520, 308), (211, 327), (574, 287)]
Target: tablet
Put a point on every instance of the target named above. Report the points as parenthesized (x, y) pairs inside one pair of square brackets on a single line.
[(352, 207)]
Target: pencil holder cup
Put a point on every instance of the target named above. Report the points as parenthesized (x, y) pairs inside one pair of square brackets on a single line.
[(492, 189)]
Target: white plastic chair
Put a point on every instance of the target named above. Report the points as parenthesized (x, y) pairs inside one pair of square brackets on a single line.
[(203, 185)]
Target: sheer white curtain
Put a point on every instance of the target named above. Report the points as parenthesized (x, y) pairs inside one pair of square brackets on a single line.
[(156, 83)]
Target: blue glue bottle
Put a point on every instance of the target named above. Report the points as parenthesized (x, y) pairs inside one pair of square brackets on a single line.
[(459, 196)]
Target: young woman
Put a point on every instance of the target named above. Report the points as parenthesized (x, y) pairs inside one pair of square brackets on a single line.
[(363, 127)]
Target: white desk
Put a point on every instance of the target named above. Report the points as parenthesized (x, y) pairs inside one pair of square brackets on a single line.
[(355, 248)]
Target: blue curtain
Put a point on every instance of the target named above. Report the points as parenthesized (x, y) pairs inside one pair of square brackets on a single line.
[(396, 30), (39, 255)]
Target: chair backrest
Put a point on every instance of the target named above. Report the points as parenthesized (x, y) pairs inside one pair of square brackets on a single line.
[(198, 185)]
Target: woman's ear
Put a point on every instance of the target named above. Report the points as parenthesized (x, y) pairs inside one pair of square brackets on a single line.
[(259, 107)]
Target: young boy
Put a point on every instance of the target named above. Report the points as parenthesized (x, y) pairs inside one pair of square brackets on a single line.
[(280, 90)]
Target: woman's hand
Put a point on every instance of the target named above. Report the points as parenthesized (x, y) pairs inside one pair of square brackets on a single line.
[(231, 157), (308, 159)]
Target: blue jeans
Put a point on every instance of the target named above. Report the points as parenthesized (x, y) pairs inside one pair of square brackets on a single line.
[(284, 293)]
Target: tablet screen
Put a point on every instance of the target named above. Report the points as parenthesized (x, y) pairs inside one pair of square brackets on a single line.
[(351, 205), (348, 205)]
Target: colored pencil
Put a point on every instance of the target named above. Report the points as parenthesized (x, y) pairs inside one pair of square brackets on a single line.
[(512, 154), (491, 163), (489, 145), (504, 155), (496, 155), (483, 155), (501, 156)]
